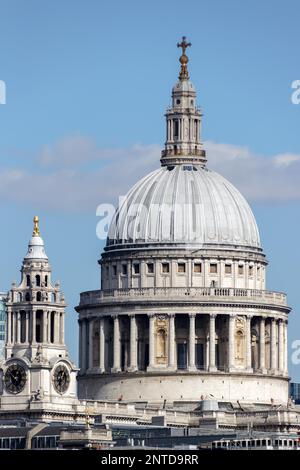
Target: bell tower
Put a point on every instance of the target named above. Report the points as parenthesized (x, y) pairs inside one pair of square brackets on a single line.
[(37, 366), (35, 307)]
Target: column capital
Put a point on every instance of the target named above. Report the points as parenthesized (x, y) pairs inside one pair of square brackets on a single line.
[(192, 315), (212, 315)]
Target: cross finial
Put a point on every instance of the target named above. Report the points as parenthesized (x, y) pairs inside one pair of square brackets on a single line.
[(36, 229), (183, 44), (184, 74)]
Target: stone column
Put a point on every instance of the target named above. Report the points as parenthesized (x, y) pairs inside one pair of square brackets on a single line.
[(80, 344), (90, 326), (192, 341), (33, 326), (44, 326), (18, 318), (171, 361), (248, 343), (8, 328), (151, 342), (231, 341), (117, 346), (83, 344), (212, 343), (280, 347), (53, 314), (206, 352), (133, 344), (102, 345), (285, 324), (262, 346), (62, 329), (49, 326), (273, 346)]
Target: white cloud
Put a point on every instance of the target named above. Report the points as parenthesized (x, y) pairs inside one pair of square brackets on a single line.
[(258, 177), (285, 159), (76, 175)]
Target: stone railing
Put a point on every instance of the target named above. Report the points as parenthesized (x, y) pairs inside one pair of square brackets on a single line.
[(204, 294)]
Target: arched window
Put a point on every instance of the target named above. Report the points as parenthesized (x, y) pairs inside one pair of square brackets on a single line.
[(20, 296), (38, 296), (27, 297), (46, 281), (38, 280), (28, 280)]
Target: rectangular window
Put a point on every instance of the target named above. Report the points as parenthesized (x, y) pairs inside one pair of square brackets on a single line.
[(114, 270), (136, 268), (228, 268), (241, 269), (181, 267), (150, 267), (197, 268), (124, 268), (165, 267), (250, 270), (213, 269)]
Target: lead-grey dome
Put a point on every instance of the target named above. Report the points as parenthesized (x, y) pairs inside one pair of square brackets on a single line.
[(184, 205)]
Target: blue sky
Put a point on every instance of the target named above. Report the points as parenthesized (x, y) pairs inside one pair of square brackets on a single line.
[(87, 85)]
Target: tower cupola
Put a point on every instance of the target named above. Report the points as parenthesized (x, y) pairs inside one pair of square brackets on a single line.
[(183, 120)]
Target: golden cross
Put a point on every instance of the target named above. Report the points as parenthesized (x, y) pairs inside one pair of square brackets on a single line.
[(183, 44)]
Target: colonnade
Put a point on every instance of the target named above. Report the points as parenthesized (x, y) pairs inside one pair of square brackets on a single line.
[(34, 326), (260, 344)]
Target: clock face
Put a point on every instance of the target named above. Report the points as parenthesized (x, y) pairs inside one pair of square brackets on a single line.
[(61, 379), (15, 378)]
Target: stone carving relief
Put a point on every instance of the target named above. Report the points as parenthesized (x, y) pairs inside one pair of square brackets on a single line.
[(240, 343), (161, 337)]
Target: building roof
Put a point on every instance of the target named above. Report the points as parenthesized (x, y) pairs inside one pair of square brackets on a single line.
[(184, 205)]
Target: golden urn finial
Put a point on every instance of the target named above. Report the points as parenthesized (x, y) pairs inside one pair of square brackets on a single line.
[(184, 74), (36, 229)]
